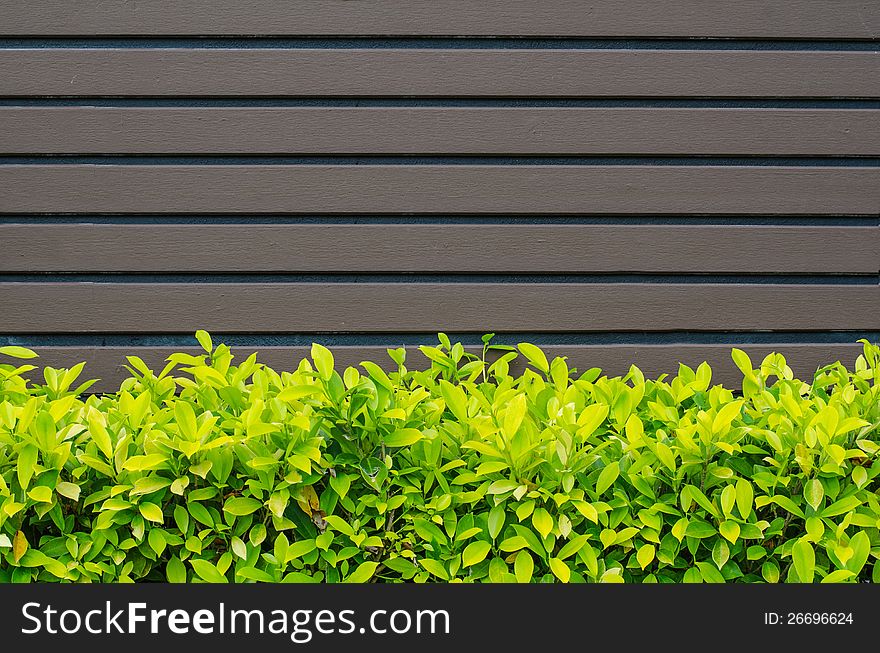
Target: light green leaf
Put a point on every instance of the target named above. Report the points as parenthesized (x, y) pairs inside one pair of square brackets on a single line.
[(403, 438), (185, 417), (514, 543), (495, 521), (434, 567), (323, 360), (535, 356), (151, 511), (523, 567), (175, 571), (645, 555), (542, 521), (839, 576), (474, 553), (156, 540), (239, 548), (207, 572), (804, 560), (240, 506), (729, 530), (41, 494), (814, 493), (860, 543), (745, 497), (17, 352), (607, 477), (27, 462), (363, 573), (560, 569)]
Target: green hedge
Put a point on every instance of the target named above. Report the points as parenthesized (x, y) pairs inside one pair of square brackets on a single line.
[(210, 471)]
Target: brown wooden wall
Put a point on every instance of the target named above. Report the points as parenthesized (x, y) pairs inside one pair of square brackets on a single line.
[(647, 181)]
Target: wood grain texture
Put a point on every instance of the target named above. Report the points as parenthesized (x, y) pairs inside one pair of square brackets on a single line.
[(108, 363), (403, 189), (619, 18), (70, 307), (452, 130), (396, 248), (437, 73)]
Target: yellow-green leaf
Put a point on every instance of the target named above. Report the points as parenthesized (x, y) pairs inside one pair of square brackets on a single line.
[(19, 546), (645, 555), (560, 569), (151, 511), (474, 553), (607, 477)]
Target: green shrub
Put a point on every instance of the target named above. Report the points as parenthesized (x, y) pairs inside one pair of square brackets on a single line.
[(210, 471)]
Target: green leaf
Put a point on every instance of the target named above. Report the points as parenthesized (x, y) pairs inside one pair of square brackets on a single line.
[(363, 573), (709, 573), (41, 494), (814, 493), (474, 553), (207, 572), (205, 340), (804, 560), (745, 497), (838, 576), (770, 571), (181, 518), (341, 484), (175, 571), (185, 417), (500, 487), (200, 514), (17, 352), (101, 437), (240, 506), (607, 477), (700, 529), (560, 569), (535, 356), (860, 543), (142, 463), (239, 548), (455, 400), (252, 573), (789, 505), (151, 511), (665, 456), (839, 507), (434, 567), (19, 546), (27, 462), (300, 548), (729, 530), (403, 438), (514, 543), (323, 360), (645, 555), (720, 553), (495, 521), (742, 361), (523, 567), (542, 521), (156, 540)]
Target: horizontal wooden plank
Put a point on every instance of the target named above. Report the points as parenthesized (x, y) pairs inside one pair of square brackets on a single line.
[(404, 189), (108, 363), (452, 130), (744, 18), (437, 72), (70, 307), (376, 248)]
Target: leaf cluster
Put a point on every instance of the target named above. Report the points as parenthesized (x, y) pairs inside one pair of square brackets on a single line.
[(468, 471)]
